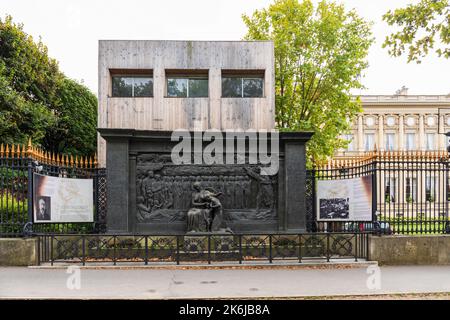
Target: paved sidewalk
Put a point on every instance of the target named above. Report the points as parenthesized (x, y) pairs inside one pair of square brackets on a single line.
[(205, 283)]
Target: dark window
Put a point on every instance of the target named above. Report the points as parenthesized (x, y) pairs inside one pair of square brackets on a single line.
[(232, 87), (198, 87), (187, 87), (389, 189), (177, 87), (242, 87), (252, 87), (430, 189), (132, 86)]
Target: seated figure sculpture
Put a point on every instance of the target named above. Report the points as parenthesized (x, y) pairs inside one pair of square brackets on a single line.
[(206, 214)]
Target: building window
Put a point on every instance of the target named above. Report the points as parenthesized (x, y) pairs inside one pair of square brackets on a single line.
[(390, 121), (370, 121), (132, 86), (430, 189), (242, 86), (390, 141), (187, 87), (369, 142), (430, 141), (410, 141), (349, 138), (411, 190), (410, 121), (389, 189)]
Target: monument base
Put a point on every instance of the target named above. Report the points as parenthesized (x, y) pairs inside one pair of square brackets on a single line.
[(147, 192)]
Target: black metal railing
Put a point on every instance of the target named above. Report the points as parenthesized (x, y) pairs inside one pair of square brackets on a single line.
[(413, 193), (354, 169), (17, 165), (410, 192), (114, 249), (14, 194)]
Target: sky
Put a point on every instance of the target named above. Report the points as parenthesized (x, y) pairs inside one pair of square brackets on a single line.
[(71, 30)]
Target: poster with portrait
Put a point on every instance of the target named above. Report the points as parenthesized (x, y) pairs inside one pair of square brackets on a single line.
[(58, 199), (344, 199)]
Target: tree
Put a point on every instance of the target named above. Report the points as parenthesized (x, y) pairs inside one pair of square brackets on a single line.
[(20, 119), (320, 54), (75, 129), (423, 26), (38, 101)]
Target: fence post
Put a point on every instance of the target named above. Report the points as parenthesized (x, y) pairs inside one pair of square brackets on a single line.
[(29, 223), (39, 251), (299, 248), (367, 255), (83, 248), (270, 248), (328, 247), (96, 215), (146, 250), (356, 247), (446, 225), (114, 250), (374, 192), (240, 249), (178, 250), (51, 250), (209, 249), (314, 224)]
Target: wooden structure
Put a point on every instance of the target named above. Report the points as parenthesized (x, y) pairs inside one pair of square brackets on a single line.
[(159, 112)]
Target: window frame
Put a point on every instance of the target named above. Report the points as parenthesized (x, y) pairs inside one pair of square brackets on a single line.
[(372, 147), (408, 147), (188, 78), (387, 145), (427, 140), (132, 76), (244, 75), (188, 74)]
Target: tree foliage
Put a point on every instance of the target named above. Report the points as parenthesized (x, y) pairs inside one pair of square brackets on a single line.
[(320, 53), (75, 129), (423, 26), (38, 101)]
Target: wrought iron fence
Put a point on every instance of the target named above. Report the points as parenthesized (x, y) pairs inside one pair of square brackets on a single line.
[(17, 165), (410, 192), (114, 249), (339, 170), (413, 192)]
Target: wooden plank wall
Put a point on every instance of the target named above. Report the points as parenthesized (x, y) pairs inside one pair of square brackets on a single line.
[(163, 113)]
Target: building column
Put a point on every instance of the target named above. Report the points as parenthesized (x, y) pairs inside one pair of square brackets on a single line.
[(117, 159), (421, 145), (442, 145), (360, 134), (401, 133), (380, 133)]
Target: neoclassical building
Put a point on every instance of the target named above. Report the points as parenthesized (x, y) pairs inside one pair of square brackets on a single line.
[(400, 122), (411, 181)]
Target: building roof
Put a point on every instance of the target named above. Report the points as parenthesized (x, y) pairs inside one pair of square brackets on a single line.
[(374, 100)]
